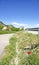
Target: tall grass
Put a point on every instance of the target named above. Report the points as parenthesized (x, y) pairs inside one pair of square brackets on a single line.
[(23, 39)]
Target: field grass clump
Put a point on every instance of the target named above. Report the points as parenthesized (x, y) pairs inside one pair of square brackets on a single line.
[(25, 39)]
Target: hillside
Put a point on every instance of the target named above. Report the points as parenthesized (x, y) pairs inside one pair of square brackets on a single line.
[(1, 24), (7, 28)]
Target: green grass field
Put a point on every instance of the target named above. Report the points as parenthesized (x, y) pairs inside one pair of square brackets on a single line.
[(22, 39), (6, 32)]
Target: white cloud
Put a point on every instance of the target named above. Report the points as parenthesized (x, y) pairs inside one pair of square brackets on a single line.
[(37, 25), (20, 24), (16, 24)]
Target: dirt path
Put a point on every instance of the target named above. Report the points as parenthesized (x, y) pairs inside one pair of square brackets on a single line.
[(4, 41)]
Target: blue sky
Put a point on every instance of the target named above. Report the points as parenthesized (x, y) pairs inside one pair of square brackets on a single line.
[(20, 12)]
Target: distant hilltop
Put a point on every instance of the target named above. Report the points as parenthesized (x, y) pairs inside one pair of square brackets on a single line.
[(8, 27)]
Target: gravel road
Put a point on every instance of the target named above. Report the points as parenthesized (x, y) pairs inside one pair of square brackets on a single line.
[(4, 41)]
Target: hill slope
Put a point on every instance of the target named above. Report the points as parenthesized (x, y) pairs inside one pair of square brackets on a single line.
[(1, 25), (7, 28)]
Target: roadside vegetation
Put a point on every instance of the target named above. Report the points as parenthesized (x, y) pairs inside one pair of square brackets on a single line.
[(23, 39), (10, 53), (26, 39)]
